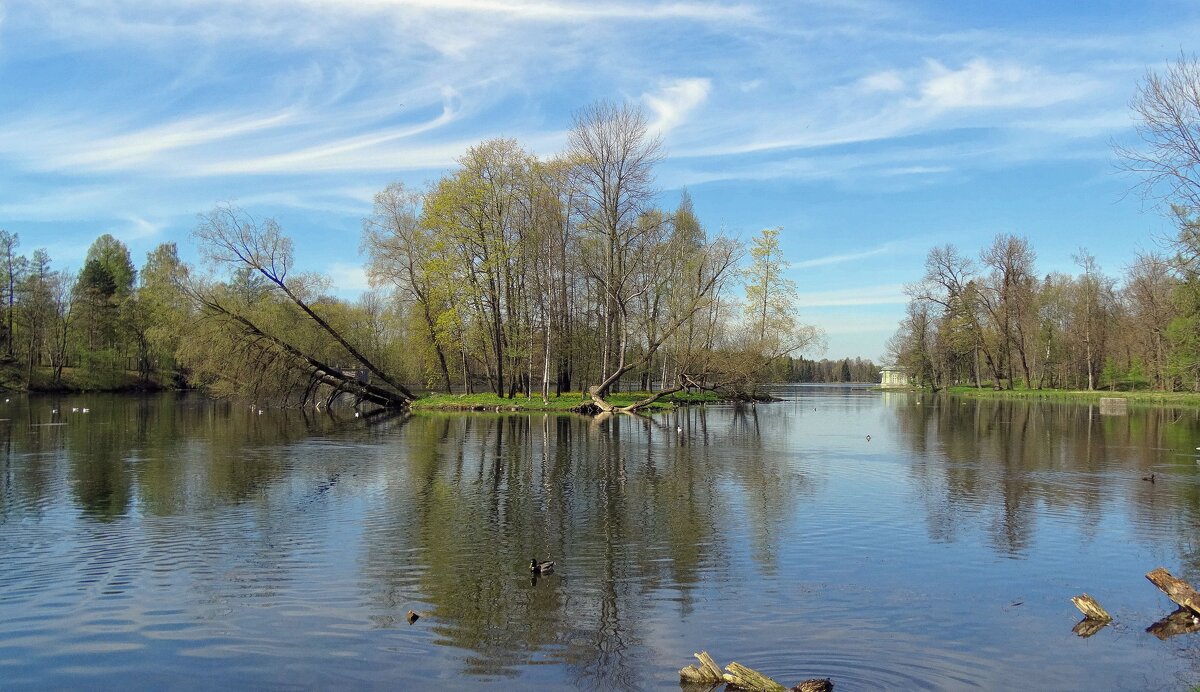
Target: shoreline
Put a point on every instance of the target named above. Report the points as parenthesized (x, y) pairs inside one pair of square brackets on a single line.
[(1138, 398)]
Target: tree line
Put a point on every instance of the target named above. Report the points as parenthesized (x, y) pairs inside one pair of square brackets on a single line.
[(990, 318), (511, 274)]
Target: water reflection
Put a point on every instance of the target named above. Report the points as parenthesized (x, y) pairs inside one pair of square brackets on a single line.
[(1010, 462), (188, 530)]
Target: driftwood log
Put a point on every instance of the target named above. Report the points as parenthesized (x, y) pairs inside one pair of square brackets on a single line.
[(1177, 590), (1091, 609), (708, 672), (739, 677)]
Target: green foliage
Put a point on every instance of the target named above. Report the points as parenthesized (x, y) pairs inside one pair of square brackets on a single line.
[(100, 370)]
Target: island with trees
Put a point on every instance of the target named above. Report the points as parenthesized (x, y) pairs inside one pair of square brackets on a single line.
[(512, 279)]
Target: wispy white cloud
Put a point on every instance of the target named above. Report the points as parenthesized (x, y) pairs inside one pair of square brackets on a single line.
[(148, 145), (984, 84), (885, 249), (382, 149), (567, 11), (140, 228), (889, 294), (672, 103), (888, 81)]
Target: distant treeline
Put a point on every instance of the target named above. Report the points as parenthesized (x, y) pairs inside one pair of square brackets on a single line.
[(996, 321), (845, 370)]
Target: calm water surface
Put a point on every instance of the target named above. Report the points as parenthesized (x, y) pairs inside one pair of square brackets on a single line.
[(176, 542)]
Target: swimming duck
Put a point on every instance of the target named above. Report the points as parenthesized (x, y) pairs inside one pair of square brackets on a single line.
[(544, 567), (1149, 478)]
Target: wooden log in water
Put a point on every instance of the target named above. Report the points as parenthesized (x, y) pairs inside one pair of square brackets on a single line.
[(708, 672), (1091, 609), (740, 677), (1182, 621), (1177, 590)]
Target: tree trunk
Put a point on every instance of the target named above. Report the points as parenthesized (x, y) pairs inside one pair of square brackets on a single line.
[(1177, 590)]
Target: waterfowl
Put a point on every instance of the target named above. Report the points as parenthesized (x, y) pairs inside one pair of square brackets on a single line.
[(868, 438), (1149, 478), (544, 567)]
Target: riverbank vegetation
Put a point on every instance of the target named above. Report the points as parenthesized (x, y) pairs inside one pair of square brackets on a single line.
[(512, 275), (988, 317), (1146, 397)]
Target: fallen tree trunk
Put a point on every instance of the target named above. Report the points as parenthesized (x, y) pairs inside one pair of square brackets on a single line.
[(1177, 590), (319, 371)]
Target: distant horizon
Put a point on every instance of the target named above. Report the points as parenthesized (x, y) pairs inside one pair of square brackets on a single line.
[(869, 131)]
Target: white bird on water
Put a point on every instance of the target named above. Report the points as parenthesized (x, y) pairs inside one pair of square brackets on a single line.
[(85, 410)]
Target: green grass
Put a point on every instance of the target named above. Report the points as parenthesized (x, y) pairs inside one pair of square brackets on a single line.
[(1149, 398), (566, 402)]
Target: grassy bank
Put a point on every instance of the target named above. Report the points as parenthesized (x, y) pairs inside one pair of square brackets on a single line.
[(15, 377), (1148, 398), (566, 402)]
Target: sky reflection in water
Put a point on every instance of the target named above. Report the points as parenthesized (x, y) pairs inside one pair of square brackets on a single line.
[(175, 541)]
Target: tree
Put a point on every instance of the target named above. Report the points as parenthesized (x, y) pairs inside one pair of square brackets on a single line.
[(37, 308), (63, 288), (1149, 286), (1167, 106), (401, 251), (773, 327), (11, 267), (162, 311), (614, 156), (769, 294), (1009, 298), (263, 253)]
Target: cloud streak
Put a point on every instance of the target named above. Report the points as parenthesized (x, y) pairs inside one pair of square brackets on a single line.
[(889, 294), (885, 249)]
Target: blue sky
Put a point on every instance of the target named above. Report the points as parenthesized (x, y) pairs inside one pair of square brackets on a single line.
[(869, 130)]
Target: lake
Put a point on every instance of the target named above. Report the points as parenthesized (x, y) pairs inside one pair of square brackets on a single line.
[(172, 541)]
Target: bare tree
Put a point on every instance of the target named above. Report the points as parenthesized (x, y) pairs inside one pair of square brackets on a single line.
[(1008, 297), (1168, 109), (614, 155)]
